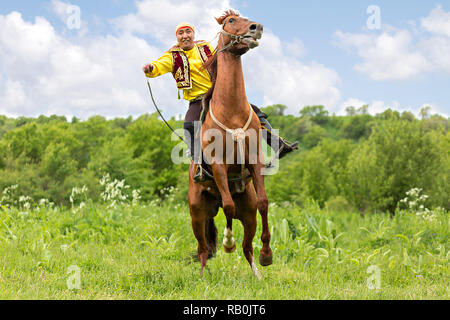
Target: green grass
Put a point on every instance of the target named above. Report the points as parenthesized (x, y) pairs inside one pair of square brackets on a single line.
[(145, 252)]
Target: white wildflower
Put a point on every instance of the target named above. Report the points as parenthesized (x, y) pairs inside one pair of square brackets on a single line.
[(416, 203), (78, 197), (113, 192)]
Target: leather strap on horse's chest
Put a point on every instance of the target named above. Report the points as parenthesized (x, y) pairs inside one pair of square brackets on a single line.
[(238, 136), (181, 68)]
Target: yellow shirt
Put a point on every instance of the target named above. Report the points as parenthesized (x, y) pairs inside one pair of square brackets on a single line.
[(201, 82)]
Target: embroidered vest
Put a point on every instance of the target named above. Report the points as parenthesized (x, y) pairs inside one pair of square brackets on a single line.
[(181, 69)]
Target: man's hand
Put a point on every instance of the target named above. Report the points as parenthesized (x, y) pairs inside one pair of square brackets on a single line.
[(147, 68)]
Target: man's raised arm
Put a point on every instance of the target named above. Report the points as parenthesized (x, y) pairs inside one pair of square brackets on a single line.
[(159, 67)]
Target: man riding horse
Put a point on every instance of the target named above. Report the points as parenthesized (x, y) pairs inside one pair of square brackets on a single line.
[(186, 63)]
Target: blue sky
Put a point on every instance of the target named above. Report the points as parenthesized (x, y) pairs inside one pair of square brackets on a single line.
[(314, 22), (311, 53)]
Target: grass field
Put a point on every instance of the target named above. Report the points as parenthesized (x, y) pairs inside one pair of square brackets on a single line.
[(145, 252)]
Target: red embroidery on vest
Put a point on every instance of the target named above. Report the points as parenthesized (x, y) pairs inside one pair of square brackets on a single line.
[(181, 68)]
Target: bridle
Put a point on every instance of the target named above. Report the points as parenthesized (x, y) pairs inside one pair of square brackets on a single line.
[(235, 39)]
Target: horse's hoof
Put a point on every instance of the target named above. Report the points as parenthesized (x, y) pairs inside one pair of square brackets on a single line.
[(230, 250), (265, 260)]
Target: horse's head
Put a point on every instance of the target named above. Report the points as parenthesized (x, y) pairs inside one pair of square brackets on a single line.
[(239, 34)]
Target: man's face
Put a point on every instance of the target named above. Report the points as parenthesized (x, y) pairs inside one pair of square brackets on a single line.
[(185, 38)]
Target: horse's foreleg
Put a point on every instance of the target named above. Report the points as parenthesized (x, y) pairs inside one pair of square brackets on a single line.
[(265, 257), (246, 206), (229, 245), (247, 246), (229, 208), (198, 211)]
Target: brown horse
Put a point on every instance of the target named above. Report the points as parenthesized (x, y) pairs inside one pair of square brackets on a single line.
[(229, 108)]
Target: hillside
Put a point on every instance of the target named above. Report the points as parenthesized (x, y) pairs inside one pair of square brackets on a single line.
[(358, 161)]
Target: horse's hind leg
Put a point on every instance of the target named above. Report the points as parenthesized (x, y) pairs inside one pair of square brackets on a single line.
[(211, 237), (198, 226), (199, 216)]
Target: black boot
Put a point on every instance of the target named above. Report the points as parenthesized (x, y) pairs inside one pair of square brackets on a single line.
[(195, 151), (281, 146)]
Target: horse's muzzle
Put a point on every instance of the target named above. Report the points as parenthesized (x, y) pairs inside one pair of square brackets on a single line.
[(254, 34), (256, 30)]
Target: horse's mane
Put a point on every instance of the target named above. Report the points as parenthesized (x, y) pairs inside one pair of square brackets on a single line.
[(211, 63)]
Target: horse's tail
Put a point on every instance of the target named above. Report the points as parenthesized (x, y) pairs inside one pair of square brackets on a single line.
[(211, 237)]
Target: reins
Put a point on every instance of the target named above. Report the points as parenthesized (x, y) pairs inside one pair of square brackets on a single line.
[(160, 114)]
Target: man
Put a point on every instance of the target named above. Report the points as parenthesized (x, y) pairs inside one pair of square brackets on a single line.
[(185, 61)]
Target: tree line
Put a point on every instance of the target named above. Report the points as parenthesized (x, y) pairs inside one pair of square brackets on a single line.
[(357, 162)]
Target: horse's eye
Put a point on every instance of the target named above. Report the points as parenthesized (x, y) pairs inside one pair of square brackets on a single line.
[(231, 20)]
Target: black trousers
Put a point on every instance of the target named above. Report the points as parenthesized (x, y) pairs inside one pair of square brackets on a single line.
[(195, 110)]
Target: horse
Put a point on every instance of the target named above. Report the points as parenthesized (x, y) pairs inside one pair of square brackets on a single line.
[(229, 108)]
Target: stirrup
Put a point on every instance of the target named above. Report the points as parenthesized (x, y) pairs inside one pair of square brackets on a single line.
[(287, 148)]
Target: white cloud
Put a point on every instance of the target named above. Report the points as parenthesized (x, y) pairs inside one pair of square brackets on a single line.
[(27, 42), (294, 48), (272, 70), (386, 56), (60, 9), (438, 22), (14, 95), (437, 49), (397, 54), (281, 78), (152, 19), (43, 73)]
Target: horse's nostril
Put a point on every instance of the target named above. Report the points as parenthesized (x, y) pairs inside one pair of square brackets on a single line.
[(253, 27)]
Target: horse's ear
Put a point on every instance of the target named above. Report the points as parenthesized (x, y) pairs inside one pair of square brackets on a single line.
[(220, 20)]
